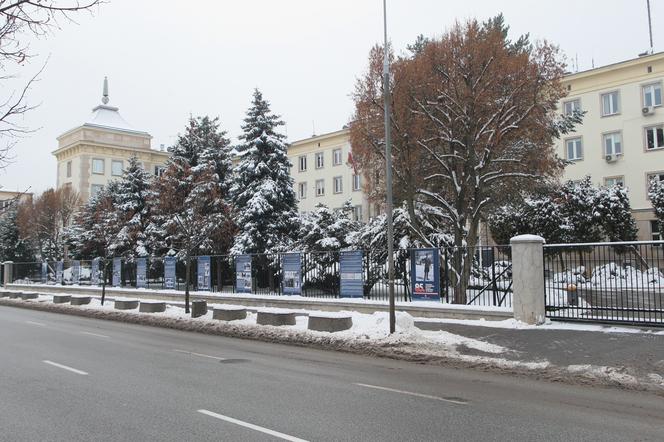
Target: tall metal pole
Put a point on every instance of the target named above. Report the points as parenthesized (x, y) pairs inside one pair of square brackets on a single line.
[(388, 172), (649, 26)]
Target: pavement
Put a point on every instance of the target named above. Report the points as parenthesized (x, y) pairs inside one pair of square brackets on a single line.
[(69, 378)]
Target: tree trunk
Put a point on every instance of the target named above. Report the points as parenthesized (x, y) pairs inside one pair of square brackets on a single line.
[(103, 283), (186, 284)]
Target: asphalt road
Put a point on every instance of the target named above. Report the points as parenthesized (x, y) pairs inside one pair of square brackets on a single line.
[(67, 378)]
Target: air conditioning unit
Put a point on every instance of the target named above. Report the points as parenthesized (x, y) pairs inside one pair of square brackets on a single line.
[(648, 110), (611, 158)]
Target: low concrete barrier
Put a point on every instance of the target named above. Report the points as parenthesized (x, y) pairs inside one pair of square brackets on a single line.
[(80, 300), (152, 307), (229, 313), (5, 294), (198, 308), (125, 304), (14, 295), (276, 318), (61, 299), (329, 322), (29, 295)]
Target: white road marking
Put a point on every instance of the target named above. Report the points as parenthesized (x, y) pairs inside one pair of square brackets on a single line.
[(199, 354), (252, 426), (425, 396), (35, 323), (64, 367), (94, 334)]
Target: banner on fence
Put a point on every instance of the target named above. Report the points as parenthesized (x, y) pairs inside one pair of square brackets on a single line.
[(75, 272), (425, 274), (44, 272), (94, 272), (141, 272), (203, 273), (59, 271), (292, 267), (352, 281), (169, 272), (117, 271), (243, 274)]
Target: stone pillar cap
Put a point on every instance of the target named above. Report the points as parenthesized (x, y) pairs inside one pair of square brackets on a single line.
[(527, 239)]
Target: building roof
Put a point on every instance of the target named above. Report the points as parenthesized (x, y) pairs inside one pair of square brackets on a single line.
[(613, 66), (320, 137)]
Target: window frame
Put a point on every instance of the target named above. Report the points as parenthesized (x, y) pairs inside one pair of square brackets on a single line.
[(655, 234), (653, 84), (68, 168), (573, 100), (300, 160), (359, 218), (616, 177), (601, 103), (321, 156), (646, 129), (649, 176), (113, 163), (568, 140), (334, 157), (103, 166), (340, 181), (605, 135), (300, 187), (321, 188), (357, 186)]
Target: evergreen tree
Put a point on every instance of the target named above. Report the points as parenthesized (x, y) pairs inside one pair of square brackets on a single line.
[(12, 246), (580, 207), (656, 195), (327, 230), (263, 195), (616, 214)]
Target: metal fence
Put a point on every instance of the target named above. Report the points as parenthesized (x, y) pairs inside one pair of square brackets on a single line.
[(489, 282), (605, 282)]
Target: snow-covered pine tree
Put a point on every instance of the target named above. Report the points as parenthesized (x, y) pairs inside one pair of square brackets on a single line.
[(579, 206), (326, 230), (616, 214), (656, 195), (12, 246), (262, 192)]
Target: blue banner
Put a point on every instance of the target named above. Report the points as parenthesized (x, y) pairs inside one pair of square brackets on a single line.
[(94, 272), (169, 272), (59, 271), (141, 272), (243, 274), (203, 273), (425, 274), (352, 276), (117, 271), (44, 272), (75, 272), (292, 267)]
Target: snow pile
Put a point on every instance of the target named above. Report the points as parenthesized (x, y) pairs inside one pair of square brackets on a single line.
[(613, 275)]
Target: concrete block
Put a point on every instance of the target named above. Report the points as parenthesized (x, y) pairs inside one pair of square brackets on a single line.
[(198, 308), (4, 294), (29, 295), (229, 313), (125, 304), (276, 318), (80, 300), (329, 323), (528, 277), (152, 307), (61, 299)]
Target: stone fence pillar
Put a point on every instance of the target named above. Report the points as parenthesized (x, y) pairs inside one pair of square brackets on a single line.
[(528, 278), (8, 273)]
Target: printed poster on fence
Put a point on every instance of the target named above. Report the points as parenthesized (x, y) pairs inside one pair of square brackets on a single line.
[(117, 271), (141, 272), (169, 272), (44, 272), (351, 270), (59, 271), (203, 273), (425, 274), (75, 272), (94, 272), (292, 267), (243, 274)]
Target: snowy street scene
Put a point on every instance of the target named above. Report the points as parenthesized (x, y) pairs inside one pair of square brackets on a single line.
[(331, 221)]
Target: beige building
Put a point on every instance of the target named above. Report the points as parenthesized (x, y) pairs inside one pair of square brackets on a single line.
[(621, 139), (96, 152), (7, 197), (323, 173)]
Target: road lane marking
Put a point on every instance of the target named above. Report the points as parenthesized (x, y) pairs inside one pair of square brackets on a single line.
[(199, 354), (64, 367), (35, 323), (94, 334), (425, 396), (252, 426)]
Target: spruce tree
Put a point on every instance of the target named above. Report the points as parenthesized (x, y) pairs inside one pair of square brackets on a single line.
[(656, 195), (12, 246), (262, 193), (616, 212)]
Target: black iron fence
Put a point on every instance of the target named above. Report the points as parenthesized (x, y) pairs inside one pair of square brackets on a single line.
[(488, 277), (605, 282)]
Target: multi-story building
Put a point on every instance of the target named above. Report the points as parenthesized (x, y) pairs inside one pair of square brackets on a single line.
[(96, 152), (8, 197), (323, 173), (621, 139)]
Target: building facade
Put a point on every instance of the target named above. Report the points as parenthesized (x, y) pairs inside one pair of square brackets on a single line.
[(621, 139), (322, 171), (96, 152), (8, 197)]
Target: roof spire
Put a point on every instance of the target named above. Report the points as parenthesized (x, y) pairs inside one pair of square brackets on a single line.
[(104, 98)]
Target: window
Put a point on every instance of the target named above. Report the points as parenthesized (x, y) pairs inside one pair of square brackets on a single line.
[(654, 137), (319, 160), (302, 190), (614, 180), (159, 170), (574, 149), (357, 213), (612, 143), (336, 157), (95, 189), (610, 105), (338, 184), (320, 187), (98, 166), (116, 168), (570, 106), (654, 230), (652, 95), (302, 163), (357, 182), (68, 169)]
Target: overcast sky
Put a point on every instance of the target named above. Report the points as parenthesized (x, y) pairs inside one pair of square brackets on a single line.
[(167, 59)]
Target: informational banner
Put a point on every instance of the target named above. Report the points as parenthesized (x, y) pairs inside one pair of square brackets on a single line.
[(59, 271), (117, 271), (243, 274), (292, 268), (352, 276), (169, 272), (141, 272), (203, 273), (44, 272), (425, 274), (75, 272), (94, 272)]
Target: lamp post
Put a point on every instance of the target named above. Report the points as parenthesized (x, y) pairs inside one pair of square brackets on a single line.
[(388, 172)]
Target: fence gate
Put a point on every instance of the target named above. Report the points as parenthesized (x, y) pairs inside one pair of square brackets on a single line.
[(605, 282)]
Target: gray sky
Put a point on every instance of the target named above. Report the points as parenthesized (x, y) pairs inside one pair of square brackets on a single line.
[(166, 59)]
